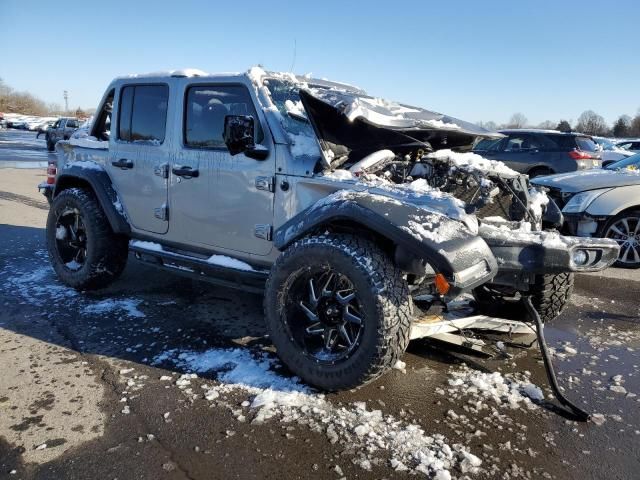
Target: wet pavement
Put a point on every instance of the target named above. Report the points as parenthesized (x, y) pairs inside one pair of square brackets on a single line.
[(99, 385), (21, 149)]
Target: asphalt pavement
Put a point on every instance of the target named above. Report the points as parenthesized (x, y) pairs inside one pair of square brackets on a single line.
[(162, 377)]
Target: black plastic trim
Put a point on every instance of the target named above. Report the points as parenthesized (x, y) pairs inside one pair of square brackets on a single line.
[(391, 220), (102, 188)]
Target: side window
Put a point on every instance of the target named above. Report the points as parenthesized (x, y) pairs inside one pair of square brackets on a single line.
[(143, 113), (101, 128), (205, 110), (72, 123), (519, 143)]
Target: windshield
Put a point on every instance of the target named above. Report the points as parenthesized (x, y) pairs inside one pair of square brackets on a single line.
[(632, 162), (285, 96)]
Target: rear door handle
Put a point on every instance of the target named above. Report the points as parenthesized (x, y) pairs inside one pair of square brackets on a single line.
[(123, 163), (184, 171)]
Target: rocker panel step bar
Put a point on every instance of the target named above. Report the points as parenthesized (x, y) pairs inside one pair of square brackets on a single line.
[(200, 269)]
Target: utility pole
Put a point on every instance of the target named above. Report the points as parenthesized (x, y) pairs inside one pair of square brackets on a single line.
[(66, 101)]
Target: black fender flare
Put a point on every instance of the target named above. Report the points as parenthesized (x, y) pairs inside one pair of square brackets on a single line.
[(100, 182), (446, 244)]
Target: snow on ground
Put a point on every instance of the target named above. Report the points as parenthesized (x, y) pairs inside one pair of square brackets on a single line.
[(127, 305), (41, 287), (369, 435), (493, 388)]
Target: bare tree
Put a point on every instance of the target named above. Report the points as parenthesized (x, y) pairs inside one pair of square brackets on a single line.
[(24, 102), (517, 120), (591, 123), (547, 125), (490, 125)]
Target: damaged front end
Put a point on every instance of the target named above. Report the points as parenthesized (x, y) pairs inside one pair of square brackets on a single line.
[(421, 159)]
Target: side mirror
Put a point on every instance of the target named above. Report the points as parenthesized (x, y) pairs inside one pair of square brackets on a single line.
[(238, 136)]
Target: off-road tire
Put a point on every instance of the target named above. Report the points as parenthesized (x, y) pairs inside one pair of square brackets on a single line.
[(106, 252), (549, 295), (384, 295)]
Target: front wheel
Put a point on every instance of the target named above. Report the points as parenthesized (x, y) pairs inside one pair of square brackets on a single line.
[(338, 311), (84, 251), (625, 229)]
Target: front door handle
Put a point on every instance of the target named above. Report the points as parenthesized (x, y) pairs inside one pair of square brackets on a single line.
[(123, 163), (184, 171)]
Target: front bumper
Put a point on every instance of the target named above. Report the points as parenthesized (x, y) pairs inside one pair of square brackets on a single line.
[(548, 252)]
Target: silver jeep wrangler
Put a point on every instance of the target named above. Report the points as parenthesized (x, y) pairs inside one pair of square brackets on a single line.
[(350, 213)]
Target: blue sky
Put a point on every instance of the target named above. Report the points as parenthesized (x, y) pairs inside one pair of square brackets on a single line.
[(477, 60)]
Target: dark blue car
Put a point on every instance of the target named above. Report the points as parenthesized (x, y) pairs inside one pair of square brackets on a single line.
[(542, 152)]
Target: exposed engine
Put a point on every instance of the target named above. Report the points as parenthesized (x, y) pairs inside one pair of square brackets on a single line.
[(488, 188)]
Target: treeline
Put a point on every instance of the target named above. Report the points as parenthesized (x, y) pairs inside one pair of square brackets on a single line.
[(12, 101), (589, 122)]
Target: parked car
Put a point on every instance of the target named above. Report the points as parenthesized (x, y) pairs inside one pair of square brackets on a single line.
[(312, 193), (602, 203), (62, 129), (542, 152), (44, 127), (610, 151), (631, 145)]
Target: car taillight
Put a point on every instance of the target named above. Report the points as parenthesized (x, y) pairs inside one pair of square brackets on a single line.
[(580, 155), (51, 173)]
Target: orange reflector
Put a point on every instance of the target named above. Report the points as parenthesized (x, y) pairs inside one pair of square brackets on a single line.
[(441, 284)]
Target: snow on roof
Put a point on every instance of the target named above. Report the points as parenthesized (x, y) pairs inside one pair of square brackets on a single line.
[(184, 72)]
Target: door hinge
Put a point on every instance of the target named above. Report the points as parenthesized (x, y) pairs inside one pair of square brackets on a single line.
[(161, 170), (265, 183), (162, 212), (263, 231)]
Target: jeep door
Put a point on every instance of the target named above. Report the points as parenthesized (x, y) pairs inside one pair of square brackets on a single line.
[(219, 200), (139, 153)]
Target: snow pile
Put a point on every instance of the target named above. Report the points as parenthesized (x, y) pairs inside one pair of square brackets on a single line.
[(156, 247), (127, 305), (369, 435), (295, 109), (229, 262), (84, 164), (493, 387), (473, 161), (88, 142), (431, 227), (538, 199)]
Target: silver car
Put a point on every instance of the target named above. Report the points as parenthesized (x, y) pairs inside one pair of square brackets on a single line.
[(602, 203)]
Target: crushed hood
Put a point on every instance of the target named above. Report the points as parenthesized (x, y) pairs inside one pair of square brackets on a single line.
[(357, 121)]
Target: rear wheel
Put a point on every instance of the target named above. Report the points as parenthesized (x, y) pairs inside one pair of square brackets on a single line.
[(50, 145), (84, 251), (338, 311), (625, 229), (549, 295)]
